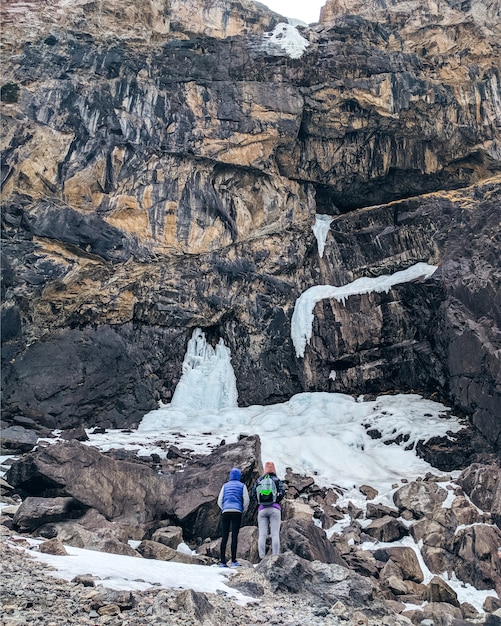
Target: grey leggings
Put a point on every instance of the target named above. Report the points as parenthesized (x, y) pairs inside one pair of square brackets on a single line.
[(269, 519)]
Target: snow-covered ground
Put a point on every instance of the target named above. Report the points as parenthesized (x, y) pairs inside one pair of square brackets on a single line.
[(130, 573), (321, 434)]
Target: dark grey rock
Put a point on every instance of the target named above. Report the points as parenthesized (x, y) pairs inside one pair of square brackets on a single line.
[(17, 439), (35, 511), (386, 528), (308, 541)]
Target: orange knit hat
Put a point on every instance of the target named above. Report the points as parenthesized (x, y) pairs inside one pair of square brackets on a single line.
[(269, 468)]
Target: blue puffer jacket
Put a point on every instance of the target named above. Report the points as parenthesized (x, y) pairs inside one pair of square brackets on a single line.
[(233, 496)]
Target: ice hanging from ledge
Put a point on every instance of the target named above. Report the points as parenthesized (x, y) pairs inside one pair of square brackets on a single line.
[(321, 230), (208, 380)]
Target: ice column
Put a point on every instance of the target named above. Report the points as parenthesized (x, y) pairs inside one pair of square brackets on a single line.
[(208, 380)]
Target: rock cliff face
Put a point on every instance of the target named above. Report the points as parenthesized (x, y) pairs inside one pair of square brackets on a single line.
[(162, 169)]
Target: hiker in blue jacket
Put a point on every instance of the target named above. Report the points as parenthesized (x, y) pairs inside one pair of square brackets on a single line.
[(233, 500), (269, 514)]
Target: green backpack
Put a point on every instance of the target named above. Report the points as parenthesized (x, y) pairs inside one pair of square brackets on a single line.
[(266, 490)]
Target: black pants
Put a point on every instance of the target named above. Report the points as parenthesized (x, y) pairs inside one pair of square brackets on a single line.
[(230, 522)]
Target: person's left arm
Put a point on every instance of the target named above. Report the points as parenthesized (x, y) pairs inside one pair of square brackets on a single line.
[(281, 490), (245, 496)]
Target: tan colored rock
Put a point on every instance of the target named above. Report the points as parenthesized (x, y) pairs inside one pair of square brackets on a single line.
[(437, 559), (154, 21), (419, 497), (396, 585), (53, 546), (440, 611), (470, 612), (171, 536), (297, 509), (369, 492), (386, 528), (153, 550), (491, 604), (109, 609), (464, 512), (440, 591), (482, 483), (477, 560), (405, 558), (417, 590), (487, 15)]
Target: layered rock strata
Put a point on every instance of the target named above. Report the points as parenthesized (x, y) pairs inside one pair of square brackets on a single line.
[(164, 172)]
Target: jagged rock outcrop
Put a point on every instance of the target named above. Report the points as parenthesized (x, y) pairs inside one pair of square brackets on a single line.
[(308, 541), (154, 20), (133, 495), (482, 483), (180, 191)]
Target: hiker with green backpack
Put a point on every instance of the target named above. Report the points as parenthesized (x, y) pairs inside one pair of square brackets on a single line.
[(269, 491)]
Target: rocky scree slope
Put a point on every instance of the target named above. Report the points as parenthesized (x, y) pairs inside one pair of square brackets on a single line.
[(342, 562), (163, 171)]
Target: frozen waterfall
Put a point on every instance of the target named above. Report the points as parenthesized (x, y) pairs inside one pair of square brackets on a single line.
[(302, 317), (208, 380)]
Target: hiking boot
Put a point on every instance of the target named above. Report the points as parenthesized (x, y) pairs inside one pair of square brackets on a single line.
[(235, 564), (222, 565)]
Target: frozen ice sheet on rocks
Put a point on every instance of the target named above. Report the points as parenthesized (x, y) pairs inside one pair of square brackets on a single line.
[(319, 434), (302, 317), (285, 39), (130, 573)]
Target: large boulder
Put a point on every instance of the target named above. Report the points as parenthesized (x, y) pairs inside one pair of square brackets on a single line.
[(132, 494), (386, 529), (17, 439), (154, 550), (35, 512), (419, 497), (308, 541), (247, 548), (476, 556), (92, 531), (440, 591), (328, 582), (405, 559)]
